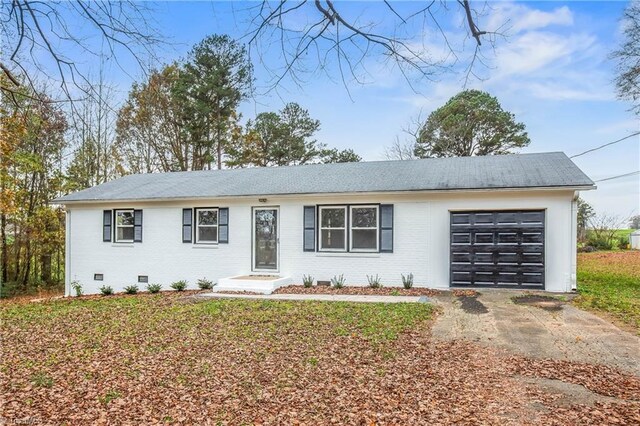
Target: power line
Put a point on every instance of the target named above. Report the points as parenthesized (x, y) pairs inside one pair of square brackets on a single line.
[(605, 145), (619, 176)]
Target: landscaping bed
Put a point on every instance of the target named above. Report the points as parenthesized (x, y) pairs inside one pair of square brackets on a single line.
[(357, 290)]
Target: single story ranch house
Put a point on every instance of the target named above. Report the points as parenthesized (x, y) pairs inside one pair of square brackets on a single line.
[(504, 221)]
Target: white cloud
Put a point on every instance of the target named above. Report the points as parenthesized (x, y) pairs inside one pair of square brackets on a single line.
[(536, 50), (622, 126), (560, 92), (514, 18)]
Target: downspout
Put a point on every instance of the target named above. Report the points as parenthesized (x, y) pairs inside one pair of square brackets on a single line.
[(573, 239), (67, 254)]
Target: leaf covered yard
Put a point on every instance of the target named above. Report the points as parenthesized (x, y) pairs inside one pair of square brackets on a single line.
[(167, 359)]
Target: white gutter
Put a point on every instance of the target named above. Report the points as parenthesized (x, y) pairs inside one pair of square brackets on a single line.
[(328, 194)]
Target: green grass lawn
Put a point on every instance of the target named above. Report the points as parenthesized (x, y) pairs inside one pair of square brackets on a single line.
[(609, 282)]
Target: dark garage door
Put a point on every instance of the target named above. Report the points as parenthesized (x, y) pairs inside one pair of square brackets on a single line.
[(497, 249)]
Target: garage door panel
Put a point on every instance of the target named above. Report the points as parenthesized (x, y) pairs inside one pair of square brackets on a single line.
[(460, 238), (497, 249), (460, 219), (483, 218), (504, 218), (508, 258), (514, 278), (533, 258), (532, 238), (531, 218), (508, 238)]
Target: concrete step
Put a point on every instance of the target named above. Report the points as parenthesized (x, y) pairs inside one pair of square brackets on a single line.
[(254, 283)]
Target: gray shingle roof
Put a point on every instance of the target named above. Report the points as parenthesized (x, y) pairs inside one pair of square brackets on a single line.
[(542, 170)]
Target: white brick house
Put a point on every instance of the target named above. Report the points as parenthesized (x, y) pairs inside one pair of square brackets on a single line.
[(499, 221)]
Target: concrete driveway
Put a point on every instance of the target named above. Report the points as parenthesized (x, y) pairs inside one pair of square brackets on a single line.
[(538, 328)]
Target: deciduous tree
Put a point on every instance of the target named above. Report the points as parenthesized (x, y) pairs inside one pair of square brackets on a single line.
[(32, 145), (585, 214), (628, 58), (151, 129)]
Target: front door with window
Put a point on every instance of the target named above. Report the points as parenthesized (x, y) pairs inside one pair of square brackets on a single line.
[(265, 239)]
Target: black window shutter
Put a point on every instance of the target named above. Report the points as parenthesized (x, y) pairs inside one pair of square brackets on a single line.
[(107, 216), (309, 229), (187, 229), (386, 228), (223, 225), (137, 226)]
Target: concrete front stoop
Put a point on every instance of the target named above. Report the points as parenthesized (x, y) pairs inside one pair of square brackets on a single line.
[(264, 284)]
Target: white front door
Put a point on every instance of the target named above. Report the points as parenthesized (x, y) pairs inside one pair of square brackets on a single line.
[(265, 239)]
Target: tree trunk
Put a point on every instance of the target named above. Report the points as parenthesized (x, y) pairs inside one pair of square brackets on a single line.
[(3, 237), (45, 267), (27, 268)]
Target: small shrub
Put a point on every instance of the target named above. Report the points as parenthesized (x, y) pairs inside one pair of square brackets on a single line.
[(77, 287), (586, 249), (179, 285), (374, 282), (154, 288), (109, 396), (204, 284), (407, 281), (307, 280), (623, 242), (131, 289), (106, 290), (41, 380), (338, 281)]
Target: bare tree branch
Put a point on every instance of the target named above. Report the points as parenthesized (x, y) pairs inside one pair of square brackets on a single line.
[(475, 32), (45, 47), (312, 35)]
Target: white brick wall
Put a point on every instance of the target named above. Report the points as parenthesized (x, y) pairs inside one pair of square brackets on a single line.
[(421, 240)]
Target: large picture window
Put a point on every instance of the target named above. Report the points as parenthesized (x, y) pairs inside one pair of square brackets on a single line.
[(333, 228), (364, 228), (124, 226), (207, 226)]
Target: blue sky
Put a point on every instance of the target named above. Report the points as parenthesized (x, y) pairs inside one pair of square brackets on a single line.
[(552, 70)]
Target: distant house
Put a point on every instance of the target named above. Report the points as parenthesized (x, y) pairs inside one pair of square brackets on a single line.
[(634, 239), (497, 221)]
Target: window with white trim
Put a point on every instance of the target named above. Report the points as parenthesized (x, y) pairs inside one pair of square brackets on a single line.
[(363, 228), (207, 226), (333, 228), (124, 226)]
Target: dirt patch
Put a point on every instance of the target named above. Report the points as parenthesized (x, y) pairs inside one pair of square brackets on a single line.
[(358, 290), (548, 303), (471, 305), (470, 293)]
